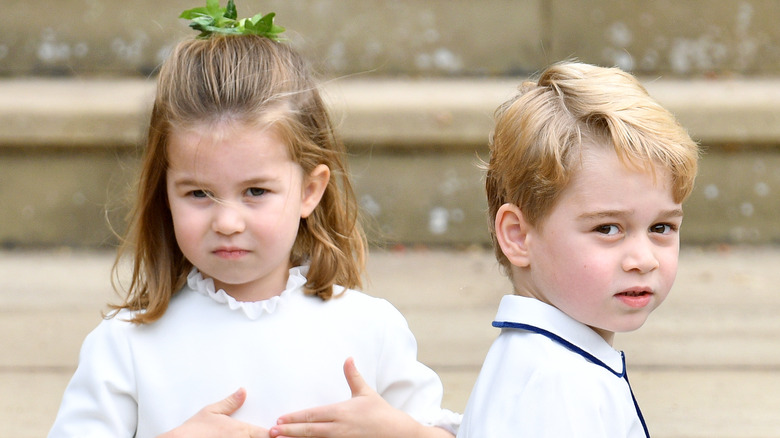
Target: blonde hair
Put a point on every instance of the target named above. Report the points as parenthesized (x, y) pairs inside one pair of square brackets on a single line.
[(539, 134), (246, 79)]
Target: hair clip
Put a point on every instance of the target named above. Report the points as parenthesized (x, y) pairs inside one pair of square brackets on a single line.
[(213, 19)]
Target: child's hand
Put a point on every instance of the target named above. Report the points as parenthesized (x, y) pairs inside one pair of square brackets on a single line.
[(365, 414), (214, 421)]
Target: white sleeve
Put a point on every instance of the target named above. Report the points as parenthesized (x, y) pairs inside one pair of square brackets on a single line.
[(100, 398), (406, 383)]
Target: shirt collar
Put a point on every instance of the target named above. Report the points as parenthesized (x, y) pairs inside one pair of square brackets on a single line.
[(534, 315), (252, 309)]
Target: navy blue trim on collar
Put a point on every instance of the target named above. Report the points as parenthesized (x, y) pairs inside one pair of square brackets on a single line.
[(564, 342), (583, 353)]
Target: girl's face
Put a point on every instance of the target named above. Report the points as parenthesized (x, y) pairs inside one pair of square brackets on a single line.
[(236, 200), (606, 254)]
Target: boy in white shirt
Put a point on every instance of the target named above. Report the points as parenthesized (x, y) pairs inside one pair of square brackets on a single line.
[(585, 184)]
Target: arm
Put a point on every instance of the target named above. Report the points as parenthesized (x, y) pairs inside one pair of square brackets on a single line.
[(214, 421), (365, 414), (100, 398)]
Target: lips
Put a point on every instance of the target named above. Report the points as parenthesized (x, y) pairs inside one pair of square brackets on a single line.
[(230, 253), (635, 298)]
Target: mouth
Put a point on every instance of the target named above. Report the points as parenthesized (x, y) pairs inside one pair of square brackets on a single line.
[(635, 298), (230, 253)]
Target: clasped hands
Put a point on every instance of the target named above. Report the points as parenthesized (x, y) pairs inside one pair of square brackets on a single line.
[(366, 413)]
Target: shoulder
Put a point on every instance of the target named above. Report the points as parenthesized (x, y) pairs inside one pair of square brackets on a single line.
[(117, 330), (369, 306), (113, 331), (543, 395), (375, 316), (526, 366), (106, 353), (116, 323)]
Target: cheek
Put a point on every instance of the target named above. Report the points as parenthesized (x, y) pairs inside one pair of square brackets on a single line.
[(580, 272), (559, 270), (669, 267), (186, 223), (179, 217), (584, 269), (570, 256)]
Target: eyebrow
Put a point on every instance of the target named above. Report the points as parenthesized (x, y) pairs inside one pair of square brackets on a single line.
[(666, 214), (186, 181)]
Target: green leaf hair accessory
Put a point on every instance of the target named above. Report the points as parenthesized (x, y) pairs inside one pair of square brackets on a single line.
[(213, 19)]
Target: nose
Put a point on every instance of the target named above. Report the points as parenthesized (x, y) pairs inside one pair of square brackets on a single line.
[(640, 256), (228, 219)]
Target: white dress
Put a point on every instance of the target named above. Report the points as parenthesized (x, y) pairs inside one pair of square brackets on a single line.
[(288, 352), (549, 376)]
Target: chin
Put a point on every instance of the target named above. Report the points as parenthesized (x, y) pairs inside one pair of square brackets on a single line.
[(630, 327)]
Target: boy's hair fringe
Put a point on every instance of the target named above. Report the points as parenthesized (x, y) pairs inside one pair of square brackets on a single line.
[(243, 79), (538, 137)]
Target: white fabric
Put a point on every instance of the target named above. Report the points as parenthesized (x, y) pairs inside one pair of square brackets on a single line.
[(288, 352), (533, 386)]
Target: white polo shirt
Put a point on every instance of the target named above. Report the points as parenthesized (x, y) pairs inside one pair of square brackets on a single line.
[(548, 375)]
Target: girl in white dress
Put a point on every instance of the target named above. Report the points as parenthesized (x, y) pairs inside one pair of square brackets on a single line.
[(240, 317)]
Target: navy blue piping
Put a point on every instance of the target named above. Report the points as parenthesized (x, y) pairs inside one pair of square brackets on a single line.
[(583, 353)]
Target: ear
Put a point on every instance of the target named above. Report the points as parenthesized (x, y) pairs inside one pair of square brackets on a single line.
[(314, 187), (512, 234)]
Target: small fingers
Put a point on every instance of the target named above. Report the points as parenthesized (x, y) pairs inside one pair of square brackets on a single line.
[(308, 430), (228, 405), (355, 380), (258, 432), (320, 414)]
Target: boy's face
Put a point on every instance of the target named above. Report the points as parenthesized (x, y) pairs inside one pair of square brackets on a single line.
[(606, 254)]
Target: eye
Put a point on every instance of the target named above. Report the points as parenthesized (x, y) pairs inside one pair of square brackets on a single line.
[(608, 229), (199, 194), (255, 191), (663, 228)]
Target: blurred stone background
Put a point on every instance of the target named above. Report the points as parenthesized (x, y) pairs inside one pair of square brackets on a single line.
[(413, 84)]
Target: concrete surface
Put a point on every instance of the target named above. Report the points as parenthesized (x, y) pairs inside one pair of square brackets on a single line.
[(68, 155), (706, 365), (408, 113), (411, 37)]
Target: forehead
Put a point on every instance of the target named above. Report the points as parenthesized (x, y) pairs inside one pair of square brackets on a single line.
[(596, 151), (225, 139), (602, 179), (218, 154)]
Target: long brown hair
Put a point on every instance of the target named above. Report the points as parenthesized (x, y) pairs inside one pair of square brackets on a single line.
[(248, 79)]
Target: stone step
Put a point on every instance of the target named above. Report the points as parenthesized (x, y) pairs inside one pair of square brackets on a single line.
[(705, 365), (68, 151), (411, 38), (411, 113)]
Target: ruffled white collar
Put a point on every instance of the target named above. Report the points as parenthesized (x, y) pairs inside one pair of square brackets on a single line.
[(252, 309)]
